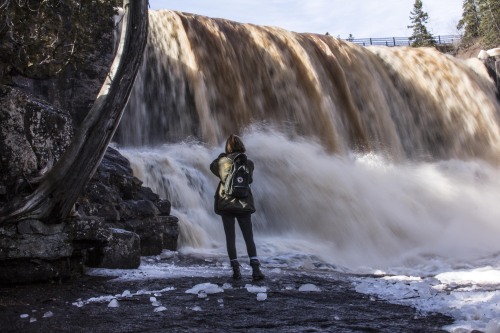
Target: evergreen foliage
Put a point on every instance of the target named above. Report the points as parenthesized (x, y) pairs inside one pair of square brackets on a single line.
[(469, 22), (489, 26), (420, 36)]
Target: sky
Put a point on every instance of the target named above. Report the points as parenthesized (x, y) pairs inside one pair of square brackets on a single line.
[(340, 18)]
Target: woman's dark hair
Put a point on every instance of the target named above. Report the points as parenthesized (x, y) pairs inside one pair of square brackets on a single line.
[(234, 144)]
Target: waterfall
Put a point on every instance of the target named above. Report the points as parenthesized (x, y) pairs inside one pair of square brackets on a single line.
[(365, 157)]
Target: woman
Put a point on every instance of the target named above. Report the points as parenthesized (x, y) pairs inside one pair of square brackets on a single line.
[(231, 207)]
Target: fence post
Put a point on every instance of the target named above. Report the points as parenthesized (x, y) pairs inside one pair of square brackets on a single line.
[(371, 41), (393, 41)]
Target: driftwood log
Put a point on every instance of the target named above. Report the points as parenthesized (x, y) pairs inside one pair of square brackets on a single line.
[(58, 190)]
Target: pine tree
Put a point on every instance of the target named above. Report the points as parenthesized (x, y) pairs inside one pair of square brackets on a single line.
[(489, 27), (469, 22), (421, 36)]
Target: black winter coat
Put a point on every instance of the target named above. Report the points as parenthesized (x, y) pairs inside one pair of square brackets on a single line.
[(225, 204)]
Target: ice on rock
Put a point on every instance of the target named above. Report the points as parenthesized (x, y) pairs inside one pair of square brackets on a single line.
[(261, 297), (126, 293), (196, 308), (32, 320), (227, 286), (202, 294), (309, 287), (152, 299), (113, 304)]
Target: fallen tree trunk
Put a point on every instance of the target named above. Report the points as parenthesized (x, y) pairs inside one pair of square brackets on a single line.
[(59, 189)]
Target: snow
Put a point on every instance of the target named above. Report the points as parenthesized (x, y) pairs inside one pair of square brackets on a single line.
[(125, 294), (471, 297)]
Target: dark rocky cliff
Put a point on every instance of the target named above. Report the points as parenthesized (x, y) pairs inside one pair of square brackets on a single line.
[(116, 219)]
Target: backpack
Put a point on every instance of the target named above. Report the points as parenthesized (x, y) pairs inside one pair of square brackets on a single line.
[(237, 182)]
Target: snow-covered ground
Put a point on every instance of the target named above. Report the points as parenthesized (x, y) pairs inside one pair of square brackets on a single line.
[(469, 295)]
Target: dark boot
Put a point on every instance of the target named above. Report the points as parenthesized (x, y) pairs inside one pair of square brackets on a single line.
[(256, 272), (236, 269)]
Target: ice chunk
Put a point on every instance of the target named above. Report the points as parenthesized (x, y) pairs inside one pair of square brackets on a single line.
[(202, 294), (24, 315), (78, 304), (32, 319), (227, 286), (160, 309), (196, 308), (261, 296), (208, 288), (309, 287), (126, 293), (255, 289), (152, 299), (113, 304), (48, 314)]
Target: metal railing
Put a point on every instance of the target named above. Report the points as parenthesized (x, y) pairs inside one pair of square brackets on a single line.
[(401, 41)]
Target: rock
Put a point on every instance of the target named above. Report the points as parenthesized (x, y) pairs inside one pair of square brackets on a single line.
[(90, 230), (36, 246), (150, 230), (119, 197), (32, 133), (38, 227), (140, 208), (123, 251), (37, 121), (170, 232), (164, 207), (35, 270)]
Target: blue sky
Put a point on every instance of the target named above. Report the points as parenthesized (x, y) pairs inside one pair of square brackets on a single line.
[(361, 18)]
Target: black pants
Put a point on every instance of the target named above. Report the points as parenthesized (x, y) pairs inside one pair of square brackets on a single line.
[(245, 223)]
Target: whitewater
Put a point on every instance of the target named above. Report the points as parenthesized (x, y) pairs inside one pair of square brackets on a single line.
[(381, 163), (427, 231)]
